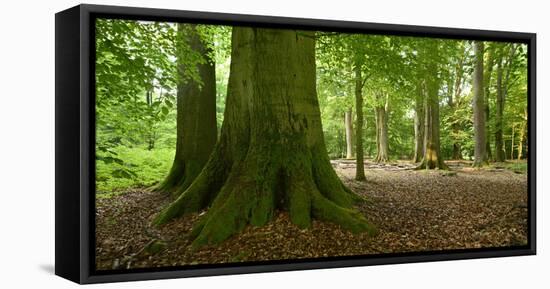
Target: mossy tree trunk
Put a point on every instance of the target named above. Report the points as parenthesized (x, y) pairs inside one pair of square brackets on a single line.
[(348, 122), (271, 154), (419, 125), (359, 153), (196, 113), (480, 154)]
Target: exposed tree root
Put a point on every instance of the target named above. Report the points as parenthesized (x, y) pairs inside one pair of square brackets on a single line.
[(381, 159), (480, 164), (256, 188), (173, 181), (200, 193), (432, 165)]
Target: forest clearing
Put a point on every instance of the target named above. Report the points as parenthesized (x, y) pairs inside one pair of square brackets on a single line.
[(219, 144), (414, 211)]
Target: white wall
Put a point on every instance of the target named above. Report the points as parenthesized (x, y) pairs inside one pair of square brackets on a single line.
[(27, 143)]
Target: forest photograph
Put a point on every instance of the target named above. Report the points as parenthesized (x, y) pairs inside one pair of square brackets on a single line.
[(227, 144)]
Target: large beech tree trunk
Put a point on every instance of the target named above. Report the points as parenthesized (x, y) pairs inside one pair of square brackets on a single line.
[(360, 165), (196, 115), (348, 121), (419, 126), (480, 154), (271, 154)]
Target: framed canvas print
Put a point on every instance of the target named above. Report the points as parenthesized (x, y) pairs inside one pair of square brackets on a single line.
[(193, 144)]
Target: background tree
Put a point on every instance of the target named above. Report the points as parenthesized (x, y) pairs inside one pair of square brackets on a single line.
[(488, 73), (196, 109), (374, 63), (455, 77), (515, 109), (505, 65), (522, 134), (430, 55), (381, 115), (479, 107), (348, 120), (419, 123), (359, 61)]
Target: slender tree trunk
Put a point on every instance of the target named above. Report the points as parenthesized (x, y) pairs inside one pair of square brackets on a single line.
[(488, 149), (150, 125), (360, 165), (348, 120), (512, 143), (455, 127), (341, 137), (419, 126), (271, 154), (480, 154), (457, 149), (520, 145), (487, 82), (499, 142), (502, 91), (454, 98), (522, 134), (377, 129), (196, 131)]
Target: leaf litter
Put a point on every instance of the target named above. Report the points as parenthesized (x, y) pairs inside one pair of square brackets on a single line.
[(413, 210)]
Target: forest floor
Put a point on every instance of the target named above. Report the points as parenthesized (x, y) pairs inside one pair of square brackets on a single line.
[(413, 210)]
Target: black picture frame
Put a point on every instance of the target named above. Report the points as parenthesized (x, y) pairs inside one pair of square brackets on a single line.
[(75, 142)]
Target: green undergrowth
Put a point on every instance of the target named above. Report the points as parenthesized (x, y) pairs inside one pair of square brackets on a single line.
[(145, 167)]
